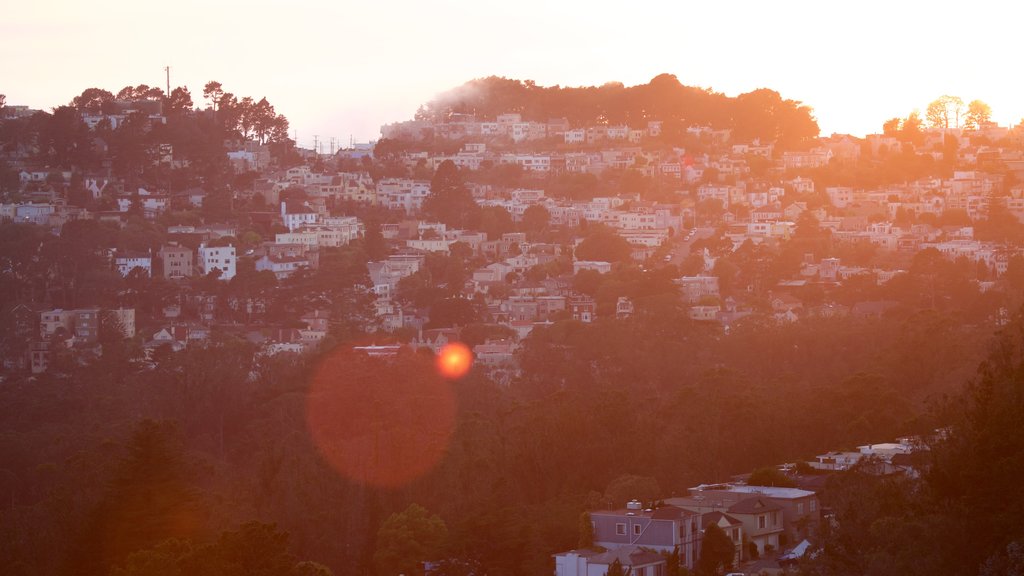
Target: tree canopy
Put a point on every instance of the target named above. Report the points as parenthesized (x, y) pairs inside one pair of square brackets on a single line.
[(762, 114)]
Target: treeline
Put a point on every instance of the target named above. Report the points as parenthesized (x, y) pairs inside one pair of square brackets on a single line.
[(761, 114), (163, 140)]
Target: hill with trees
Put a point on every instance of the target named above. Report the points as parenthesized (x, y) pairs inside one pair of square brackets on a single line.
[(761, 114)]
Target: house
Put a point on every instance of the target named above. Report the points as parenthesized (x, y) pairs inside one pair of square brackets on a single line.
[(220, 258), (51, 322), (385, 274), (281, 266), (634, 560), (623, 308), (434, 339), (39, 354), (129, 261), (799, 509), (583, 308), (662, 529), (599, 267), (760, 520), (317, 319), (731, 527), (296, 214), (177, 261), (695, 288)]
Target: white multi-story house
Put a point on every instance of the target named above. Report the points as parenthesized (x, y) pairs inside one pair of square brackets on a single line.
[(297, 215), (402, 194), (127, 262), (221, 258), (532, 162)]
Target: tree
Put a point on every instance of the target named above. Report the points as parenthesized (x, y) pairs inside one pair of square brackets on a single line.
[(495, 221), (450, 201), (944, 112), (770, 476), (891, 127), (91, 100), (616, 569), (179, 101), (716, 552), (149, 501), (586, 531), (407, 539), (213, 92), (536, 219), (631, 487), (603, 244), (978, 114)]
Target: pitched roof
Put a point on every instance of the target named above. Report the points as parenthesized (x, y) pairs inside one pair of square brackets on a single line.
[(716, 517)]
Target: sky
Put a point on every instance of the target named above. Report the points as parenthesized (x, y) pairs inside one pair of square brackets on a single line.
[(340, 69)]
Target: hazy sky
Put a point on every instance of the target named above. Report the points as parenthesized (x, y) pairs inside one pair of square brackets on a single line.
[(341, 69)]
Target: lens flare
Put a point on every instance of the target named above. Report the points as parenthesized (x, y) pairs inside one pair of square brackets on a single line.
[(454, 360), (380, 421)]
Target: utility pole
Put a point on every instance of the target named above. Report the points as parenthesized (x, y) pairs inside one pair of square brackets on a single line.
[(316, 145), (168, 70)]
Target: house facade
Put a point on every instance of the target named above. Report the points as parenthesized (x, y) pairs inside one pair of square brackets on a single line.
[(663, 529)]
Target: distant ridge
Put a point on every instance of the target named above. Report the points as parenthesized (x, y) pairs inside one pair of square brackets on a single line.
[(761, 114)]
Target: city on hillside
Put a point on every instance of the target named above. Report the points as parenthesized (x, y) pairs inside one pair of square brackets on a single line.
[(645, 278)]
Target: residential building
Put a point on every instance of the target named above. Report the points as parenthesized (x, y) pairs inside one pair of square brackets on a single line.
[(634, 560), (663, 529), (220, 258), (129, 261), (177, 261), (799, 508)]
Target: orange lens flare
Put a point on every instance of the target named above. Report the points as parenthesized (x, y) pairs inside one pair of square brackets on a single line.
[(380, 422), (454, 360)]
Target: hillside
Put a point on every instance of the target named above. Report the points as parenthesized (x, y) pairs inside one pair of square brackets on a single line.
[(761, 114)]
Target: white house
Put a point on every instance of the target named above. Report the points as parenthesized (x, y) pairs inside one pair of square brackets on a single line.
[(217, 258), (127, 262)]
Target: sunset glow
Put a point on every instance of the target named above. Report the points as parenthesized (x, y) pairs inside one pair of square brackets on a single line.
[(467, 288)]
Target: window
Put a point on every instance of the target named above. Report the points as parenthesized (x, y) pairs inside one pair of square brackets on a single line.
[(636, 529), (775, 518), (620, 529), (761, 521), (735, 534), (800, 508), (814, 505)]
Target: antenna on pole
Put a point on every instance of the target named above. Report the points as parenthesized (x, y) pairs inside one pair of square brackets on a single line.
[(168, 70), (316, 144)]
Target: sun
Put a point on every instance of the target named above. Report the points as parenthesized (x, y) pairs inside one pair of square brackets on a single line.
[(454, 360)]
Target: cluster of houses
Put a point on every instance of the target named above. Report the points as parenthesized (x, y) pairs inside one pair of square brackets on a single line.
[(747, 208), (760, 521)]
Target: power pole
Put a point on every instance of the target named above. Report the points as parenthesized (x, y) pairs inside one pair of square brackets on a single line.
[(168, 70), (316, 145)]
